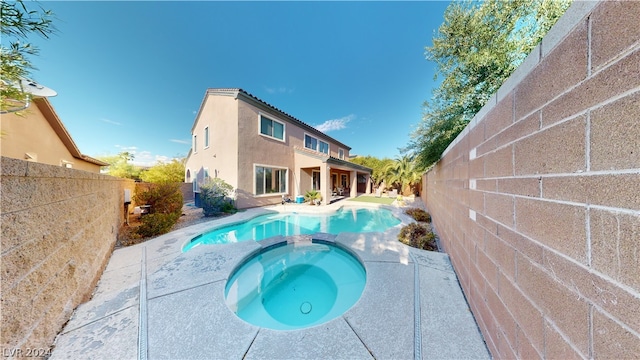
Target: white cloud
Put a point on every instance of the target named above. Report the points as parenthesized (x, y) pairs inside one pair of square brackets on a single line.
[(111, 122), (131, 149), (335, 124), (279, 90), (146, 158), (187, 142)]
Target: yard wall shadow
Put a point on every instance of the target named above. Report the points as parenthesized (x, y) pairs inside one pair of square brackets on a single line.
[(59, 227), (538, 200)]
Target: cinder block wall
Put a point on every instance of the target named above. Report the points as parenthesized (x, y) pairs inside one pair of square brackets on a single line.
[(538, 201), (59, 227)]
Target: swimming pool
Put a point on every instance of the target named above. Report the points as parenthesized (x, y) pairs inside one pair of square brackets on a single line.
[(265, 226), (293, 286)]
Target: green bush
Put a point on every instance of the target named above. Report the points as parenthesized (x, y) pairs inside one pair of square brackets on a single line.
[(166, 207), (157, 224), (213, 194), (418, 236), (311, 196), (418, 214)]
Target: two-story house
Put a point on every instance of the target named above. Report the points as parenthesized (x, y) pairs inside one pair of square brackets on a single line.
[(265, 153)]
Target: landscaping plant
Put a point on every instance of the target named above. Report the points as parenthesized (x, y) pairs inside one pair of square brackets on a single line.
[(166, 207), (418, 214), (313, 197), (418, 236), (214, 195)]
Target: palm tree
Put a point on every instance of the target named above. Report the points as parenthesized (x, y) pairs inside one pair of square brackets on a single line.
[(402, 173)]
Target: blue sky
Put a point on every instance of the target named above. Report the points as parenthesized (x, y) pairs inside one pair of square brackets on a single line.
[(130, 76)]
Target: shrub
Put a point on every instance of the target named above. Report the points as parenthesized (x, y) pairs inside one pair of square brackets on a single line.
[(164, 198), (418, 214), (166, 207), (157, 224), (418, 236), (213, 194), (312, 195)]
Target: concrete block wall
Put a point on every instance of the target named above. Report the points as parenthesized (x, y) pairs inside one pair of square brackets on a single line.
[(538, 200), (58, 229)]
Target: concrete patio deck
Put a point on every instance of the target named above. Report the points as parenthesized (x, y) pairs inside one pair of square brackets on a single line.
[(154, 301)]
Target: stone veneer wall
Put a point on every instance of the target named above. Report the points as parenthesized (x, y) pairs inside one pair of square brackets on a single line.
[(538, 200), (59, 227)]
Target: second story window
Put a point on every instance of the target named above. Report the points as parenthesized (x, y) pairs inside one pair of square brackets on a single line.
[(272, 128), (310, 142), (206, 137), (195, 143), (341, 154), (324, 147), (314, 144)]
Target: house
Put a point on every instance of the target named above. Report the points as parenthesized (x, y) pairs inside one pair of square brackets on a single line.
[(265, 153), (37, 134)]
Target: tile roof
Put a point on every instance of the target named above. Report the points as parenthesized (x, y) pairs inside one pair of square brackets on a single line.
[(246, 95)]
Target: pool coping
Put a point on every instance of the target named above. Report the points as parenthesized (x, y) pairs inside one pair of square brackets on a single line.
[(155, 301)]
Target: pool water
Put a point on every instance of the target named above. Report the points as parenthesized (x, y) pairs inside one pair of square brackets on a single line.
[(295, 286), (265, 226)]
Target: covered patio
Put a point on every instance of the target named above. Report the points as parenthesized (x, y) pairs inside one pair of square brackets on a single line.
[(333, 178)]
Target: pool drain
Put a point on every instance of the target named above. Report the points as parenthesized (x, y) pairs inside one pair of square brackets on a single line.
[(305, 308)]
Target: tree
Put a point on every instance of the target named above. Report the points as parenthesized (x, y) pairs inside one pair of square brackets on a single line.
[(119, 166), (165, 172), (476, 48), (377, 165), (403, 173), (17, 22)]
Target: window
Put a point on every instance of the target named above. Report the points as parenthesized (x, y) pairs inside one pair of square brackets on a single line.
[(310, 142), (195, 143), (270, 180), (315, 175), (206, 174), (324, 147), (341, 154), (314, 144), (206, 137), (272, 128)]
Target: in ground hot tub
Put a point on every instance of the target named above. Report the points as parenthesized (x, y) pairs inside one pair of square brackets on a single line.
[(293, 286)]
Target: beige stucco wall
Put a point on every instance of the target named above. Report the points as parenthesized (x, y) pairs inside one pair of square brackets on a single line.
[(31, 133), (538, 200), (220, 114), (58, 228)]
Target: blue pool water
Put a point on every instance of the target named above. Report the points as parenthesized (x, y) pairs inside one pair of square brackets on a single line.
[(265, 226), (295, 286)]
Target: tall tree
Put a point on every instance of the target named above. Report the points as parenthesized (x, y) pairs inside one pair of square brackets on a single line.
[(170, 172), (403, 173), (377, 165), (17, 22), (476, 48), (120, 166)]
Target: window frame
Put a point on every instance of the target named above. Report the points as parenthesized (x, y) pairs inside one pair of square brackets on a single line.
[(273, 169), (315, 173), (317, 141), (206, 136), (320, 142), (284, 127), (341, 153), (194, 143)]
